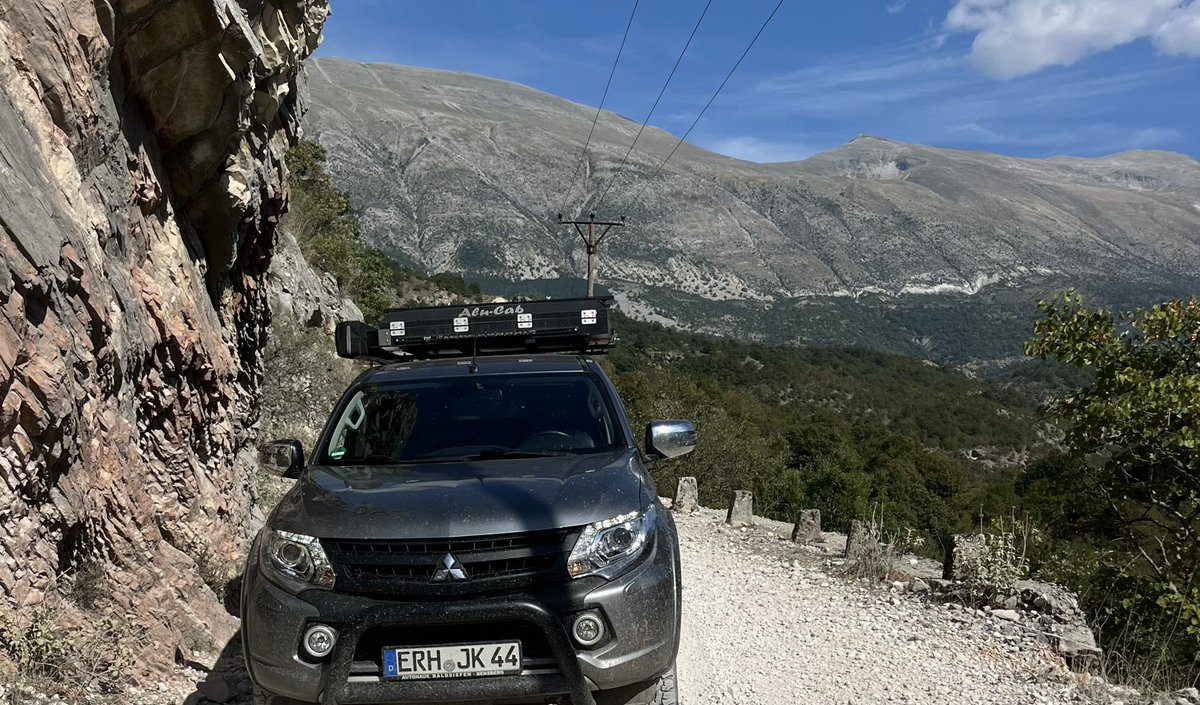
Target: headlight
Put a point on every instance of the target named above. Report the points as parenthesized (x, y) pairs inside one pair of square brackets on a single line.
[(611, 544), (295, 561)]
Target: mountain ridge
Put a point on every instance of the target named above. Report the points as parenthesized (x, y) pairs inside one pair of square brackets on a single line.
[(456, 171)]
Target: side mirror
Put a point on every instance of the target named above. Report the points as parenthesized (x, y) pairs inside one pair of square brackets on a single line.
[(283, 458), (669, 439)]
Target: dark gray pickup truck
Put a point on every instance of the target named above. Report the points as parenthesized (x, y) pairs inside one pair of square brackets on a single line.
[(466, 530)]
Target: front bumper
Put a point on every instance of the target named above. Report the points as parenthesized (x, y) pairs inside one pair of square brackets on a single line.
[(641, 608)]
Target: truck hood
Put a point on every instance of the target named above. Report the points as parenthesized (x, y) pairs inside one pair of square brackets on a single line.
[(451, 500)]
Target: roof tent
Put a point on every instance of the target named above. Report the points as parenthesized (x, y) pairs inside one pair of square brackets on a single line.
[(553, 325)]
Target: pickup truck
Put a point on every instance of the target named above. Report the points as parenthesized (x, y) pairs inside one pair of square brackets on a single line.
[(476, 523)]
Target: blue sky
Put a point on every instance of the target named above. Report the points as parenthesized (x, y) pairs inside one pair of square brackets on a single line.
[(1019, 77)]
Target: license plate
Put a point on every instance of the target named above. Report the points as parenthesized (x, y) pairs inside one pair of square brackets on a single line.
[(452, 660)]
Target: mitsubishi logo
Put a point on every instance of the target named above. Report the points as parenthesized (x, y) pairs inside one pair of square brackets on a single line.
[(449, 570)]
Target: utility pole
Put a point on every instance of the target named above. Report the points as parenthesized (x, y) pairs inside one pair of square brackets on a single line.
[(592, 242)]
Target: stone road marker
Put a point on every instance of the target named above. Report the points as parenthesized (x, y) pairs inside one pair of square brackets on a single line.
[(687, 496), (857, 540), (808, 526), (741, 509)]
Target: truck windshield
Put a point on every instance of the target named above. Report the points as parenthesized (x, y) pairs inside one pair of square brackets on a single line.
[(473, 417)]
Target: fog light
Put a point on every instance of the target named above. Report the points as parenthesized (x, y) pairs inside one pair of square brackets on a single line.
[(319, 640), (588, 629)]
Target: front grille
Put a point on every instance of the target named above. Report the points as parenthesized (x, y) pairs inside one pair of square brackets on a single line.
[(403, 567)]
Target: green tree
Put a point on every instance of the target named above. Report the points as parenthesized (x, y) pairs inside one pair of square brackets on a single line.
[(1134, 435), (737, 442), (1137, 426)]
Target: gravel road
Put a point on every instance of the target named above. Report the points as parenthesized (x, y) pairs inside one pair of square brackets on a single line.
[(765, 623), (768, 623)]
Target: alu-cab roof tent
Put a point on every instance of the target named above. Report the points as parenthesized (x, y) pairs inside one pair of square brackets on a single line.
[(580, 326)]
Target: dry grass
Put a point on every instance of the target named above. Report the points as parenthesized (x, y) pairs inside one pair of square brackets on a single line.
[(1127, 661), (59, 649), (868, 557)]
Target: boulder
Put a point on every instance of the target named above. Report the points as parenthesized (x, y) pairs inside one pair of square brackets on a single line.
[(1007, 615), (1077, 645), (1053, 600)]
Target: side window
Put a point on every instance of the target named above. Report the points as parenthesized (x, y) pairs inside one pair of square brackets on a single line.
[(344, 435)]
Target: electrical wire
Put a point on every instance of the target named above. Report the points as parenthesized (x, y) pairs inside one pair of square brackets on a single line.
[(638, 195), (663, 90), (607, 84)]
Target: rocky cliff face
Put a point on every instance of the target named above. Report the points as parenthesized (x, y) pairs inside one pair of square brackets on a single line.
[(141, 179)]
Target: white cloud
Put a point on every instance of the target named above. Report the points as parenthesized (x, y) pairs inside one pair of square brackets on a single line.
[(895, 8), (1180, 34), (865, 79), (1099, 138), (753, 149), (978, 132), (1018, 37), (1153, 137), (912, 78), (915, 92)]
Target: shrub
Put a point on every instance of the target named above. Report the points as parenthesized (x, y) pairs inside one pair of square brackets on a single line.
[(866, 555), (990, 567), (1136, 428), (70, 660), (85, 586)]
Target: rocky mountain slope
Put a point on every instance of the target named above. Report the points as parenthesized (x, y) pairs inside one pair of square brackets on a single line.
[(461, 172), (140, 184)]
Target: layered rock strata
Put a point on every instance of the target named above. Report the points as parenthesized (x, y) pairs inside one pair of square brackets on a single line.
[(141, 179)]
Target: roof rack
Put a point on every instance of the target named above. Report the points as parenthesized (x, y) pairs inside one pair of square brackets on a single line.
[(553, 325)]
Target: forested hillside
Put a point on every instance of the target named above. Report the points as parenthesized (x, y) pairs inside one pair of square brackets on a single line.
[(843, 430), (1109, 509)]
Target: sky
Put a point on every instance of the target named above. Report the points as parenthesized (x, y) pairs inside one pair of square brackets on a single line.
[(1033, 78)]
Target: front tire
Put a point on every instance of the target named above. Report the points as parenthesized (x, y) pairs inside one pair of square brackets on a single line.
[(663, 690)]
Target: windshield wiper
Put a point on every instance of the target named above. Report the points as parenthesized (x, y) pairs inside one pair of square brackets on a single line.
[(491, 454), (375, 459), (437, 459), (495, 453)]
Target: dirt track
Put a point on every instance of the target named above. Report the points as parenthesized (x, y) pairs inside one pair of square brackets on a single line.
[(766, 624)]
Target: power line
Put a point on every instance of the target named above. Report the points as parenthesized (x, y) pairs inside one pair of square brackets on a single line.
[(624, 159), (607, 84), (638, 195)]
